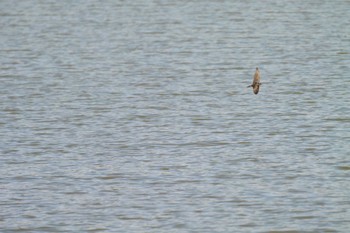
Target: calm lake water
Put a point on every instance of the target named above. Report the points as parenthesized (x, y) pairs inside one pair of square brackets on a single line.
[(135, 116)]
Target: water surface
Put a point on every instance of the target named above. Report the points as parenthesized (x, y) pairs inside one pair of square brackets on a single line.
[(121, 116)]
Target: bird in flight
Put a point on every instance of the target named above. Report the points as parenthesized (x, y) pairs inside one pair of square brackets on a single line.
[(256, 82)]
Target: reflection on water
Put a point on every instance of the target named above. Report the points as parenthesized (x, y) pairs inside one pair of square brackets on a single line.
[(135, 117)]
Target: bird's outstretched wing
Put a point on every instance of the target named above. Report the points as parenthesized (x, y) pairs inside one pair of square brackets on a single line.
[(256, 88), (256, 77)]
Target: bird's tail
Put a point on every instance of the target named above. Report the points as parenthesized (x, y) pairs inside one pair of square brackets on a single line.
[(250, 86)]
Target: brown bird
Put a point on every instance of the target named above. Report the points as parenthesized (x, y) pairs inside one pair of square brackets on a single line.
[(256, 81)]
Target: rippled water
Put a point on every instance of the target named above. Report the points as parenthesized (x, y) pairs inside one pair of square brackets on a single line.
[(134, 116)]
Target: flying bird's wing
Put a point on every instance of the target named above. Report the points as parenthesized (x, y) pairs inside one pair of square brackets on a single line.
[(256, 89), (256, 79)]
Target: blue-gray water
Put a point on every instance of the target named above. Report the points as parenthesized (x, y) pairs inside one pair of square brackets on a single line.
[(134, 116)]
